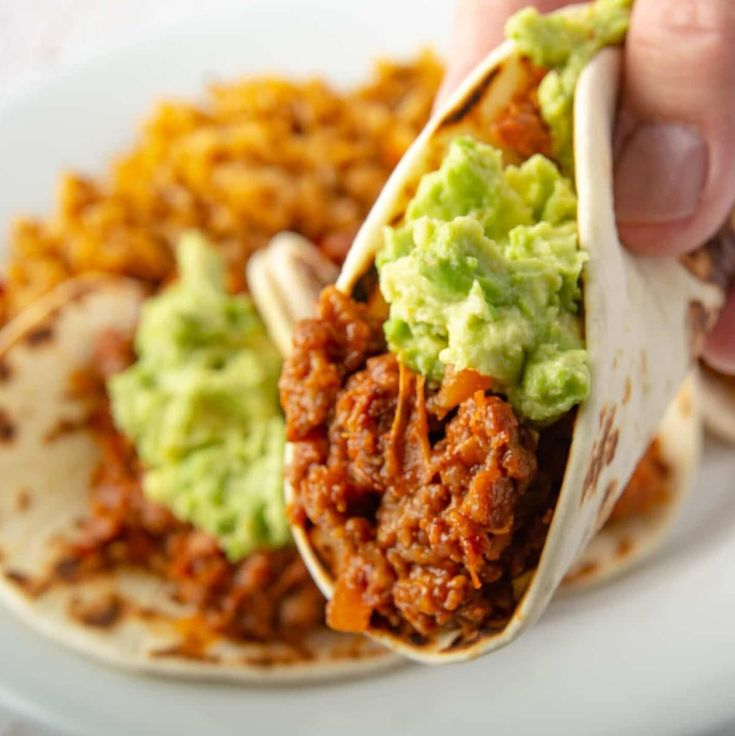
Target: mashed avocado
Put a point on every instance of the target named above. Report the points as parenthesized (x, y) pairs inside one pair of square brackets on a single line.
[(201, 405), (483, 274), (484, 271), (564, 44)]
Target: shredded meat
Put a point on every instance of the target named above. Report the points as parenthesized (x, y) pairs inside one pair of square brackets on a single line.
[(648, 489), (267, 596), (520, 128), (430, 506)]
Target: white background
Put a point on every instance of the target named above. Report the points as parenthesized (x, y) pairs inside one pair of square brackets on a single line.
[(37, 35)]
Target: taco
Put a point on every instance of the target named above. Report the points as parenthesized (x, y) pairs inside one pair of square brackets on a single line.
[(285, 279), (635, 524), (474, 394), (141, 513)]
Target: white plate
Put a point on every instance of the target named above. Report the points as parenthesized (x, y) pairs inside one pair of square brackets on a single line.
[(652, 653)]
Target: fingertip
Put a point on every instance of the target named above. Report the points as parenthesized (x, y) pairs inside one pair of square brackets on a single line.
[(675, 160), (665, 239)]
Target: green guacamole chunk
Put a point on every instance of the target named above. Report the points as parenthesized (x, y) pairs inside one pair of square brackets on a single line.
[(201, 406), (483, 274), (564, 44)]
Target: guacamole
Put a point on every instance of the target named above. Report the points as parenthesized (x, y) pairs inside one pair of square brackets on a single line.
[(201, 406), (483, 274), (564, 44)]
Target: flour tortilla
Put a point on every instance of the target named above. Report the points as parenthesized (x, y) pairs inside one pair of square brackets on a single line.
[(284, 280), (126, 618), (626, 543), (644, 321)]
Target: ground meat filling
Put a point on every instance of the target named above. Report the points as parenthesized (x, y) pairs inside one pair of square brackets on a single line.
[(649, 488), (519, 128), (265, 597), (430, 505)]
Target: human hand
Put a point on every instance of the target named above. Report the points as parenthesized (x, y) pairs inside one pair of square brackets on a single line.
[(675, 134)]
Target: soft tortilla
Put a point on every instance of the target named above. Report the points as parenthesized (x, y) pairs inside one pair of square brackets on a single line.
[(622, 545), (126, 618), (644, 317), (283, 300), (284, 280)]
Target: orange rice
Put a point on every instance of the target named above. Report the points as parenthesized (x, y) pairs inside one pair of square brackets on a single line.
[(260, 155)]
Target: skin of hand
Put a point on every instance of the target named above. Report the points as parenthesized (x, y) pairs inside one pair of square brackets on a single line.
[(675, 133)]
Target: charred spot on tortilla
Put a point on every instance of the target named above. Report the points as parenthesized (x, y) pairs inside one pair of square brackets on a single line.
[(396, 219), (99, 613), (67, 569), (627, 390), (32, 588), (624, 547), (585, 571), (603, 450), (611, 445), (6, 372), (83, 289), (462, 111), (8, 429), (366, 285), (699, 322), (39, 335), (65, 427), (23, 499), (17, 577)]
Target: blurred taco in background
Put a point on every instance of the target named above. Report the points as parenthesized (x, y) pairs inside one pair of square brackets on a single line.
[(142, 507), (471, 399)]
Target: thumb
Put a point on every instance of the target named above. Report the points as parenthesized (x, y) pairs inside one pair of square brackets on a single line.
[(675, 161)]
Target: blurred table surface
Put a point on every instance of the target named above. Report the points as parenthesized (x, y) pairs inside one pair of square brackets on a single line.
[(37, 36)]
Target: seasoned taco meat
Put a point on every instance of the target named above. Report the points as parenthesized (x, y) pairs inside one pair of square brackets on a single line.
[(430, 505), (648, 489), (520, 127), (267, 596)]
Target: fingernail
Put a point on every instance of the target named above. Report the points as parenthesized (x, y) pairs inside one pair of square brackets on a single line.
[(660, 174)]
